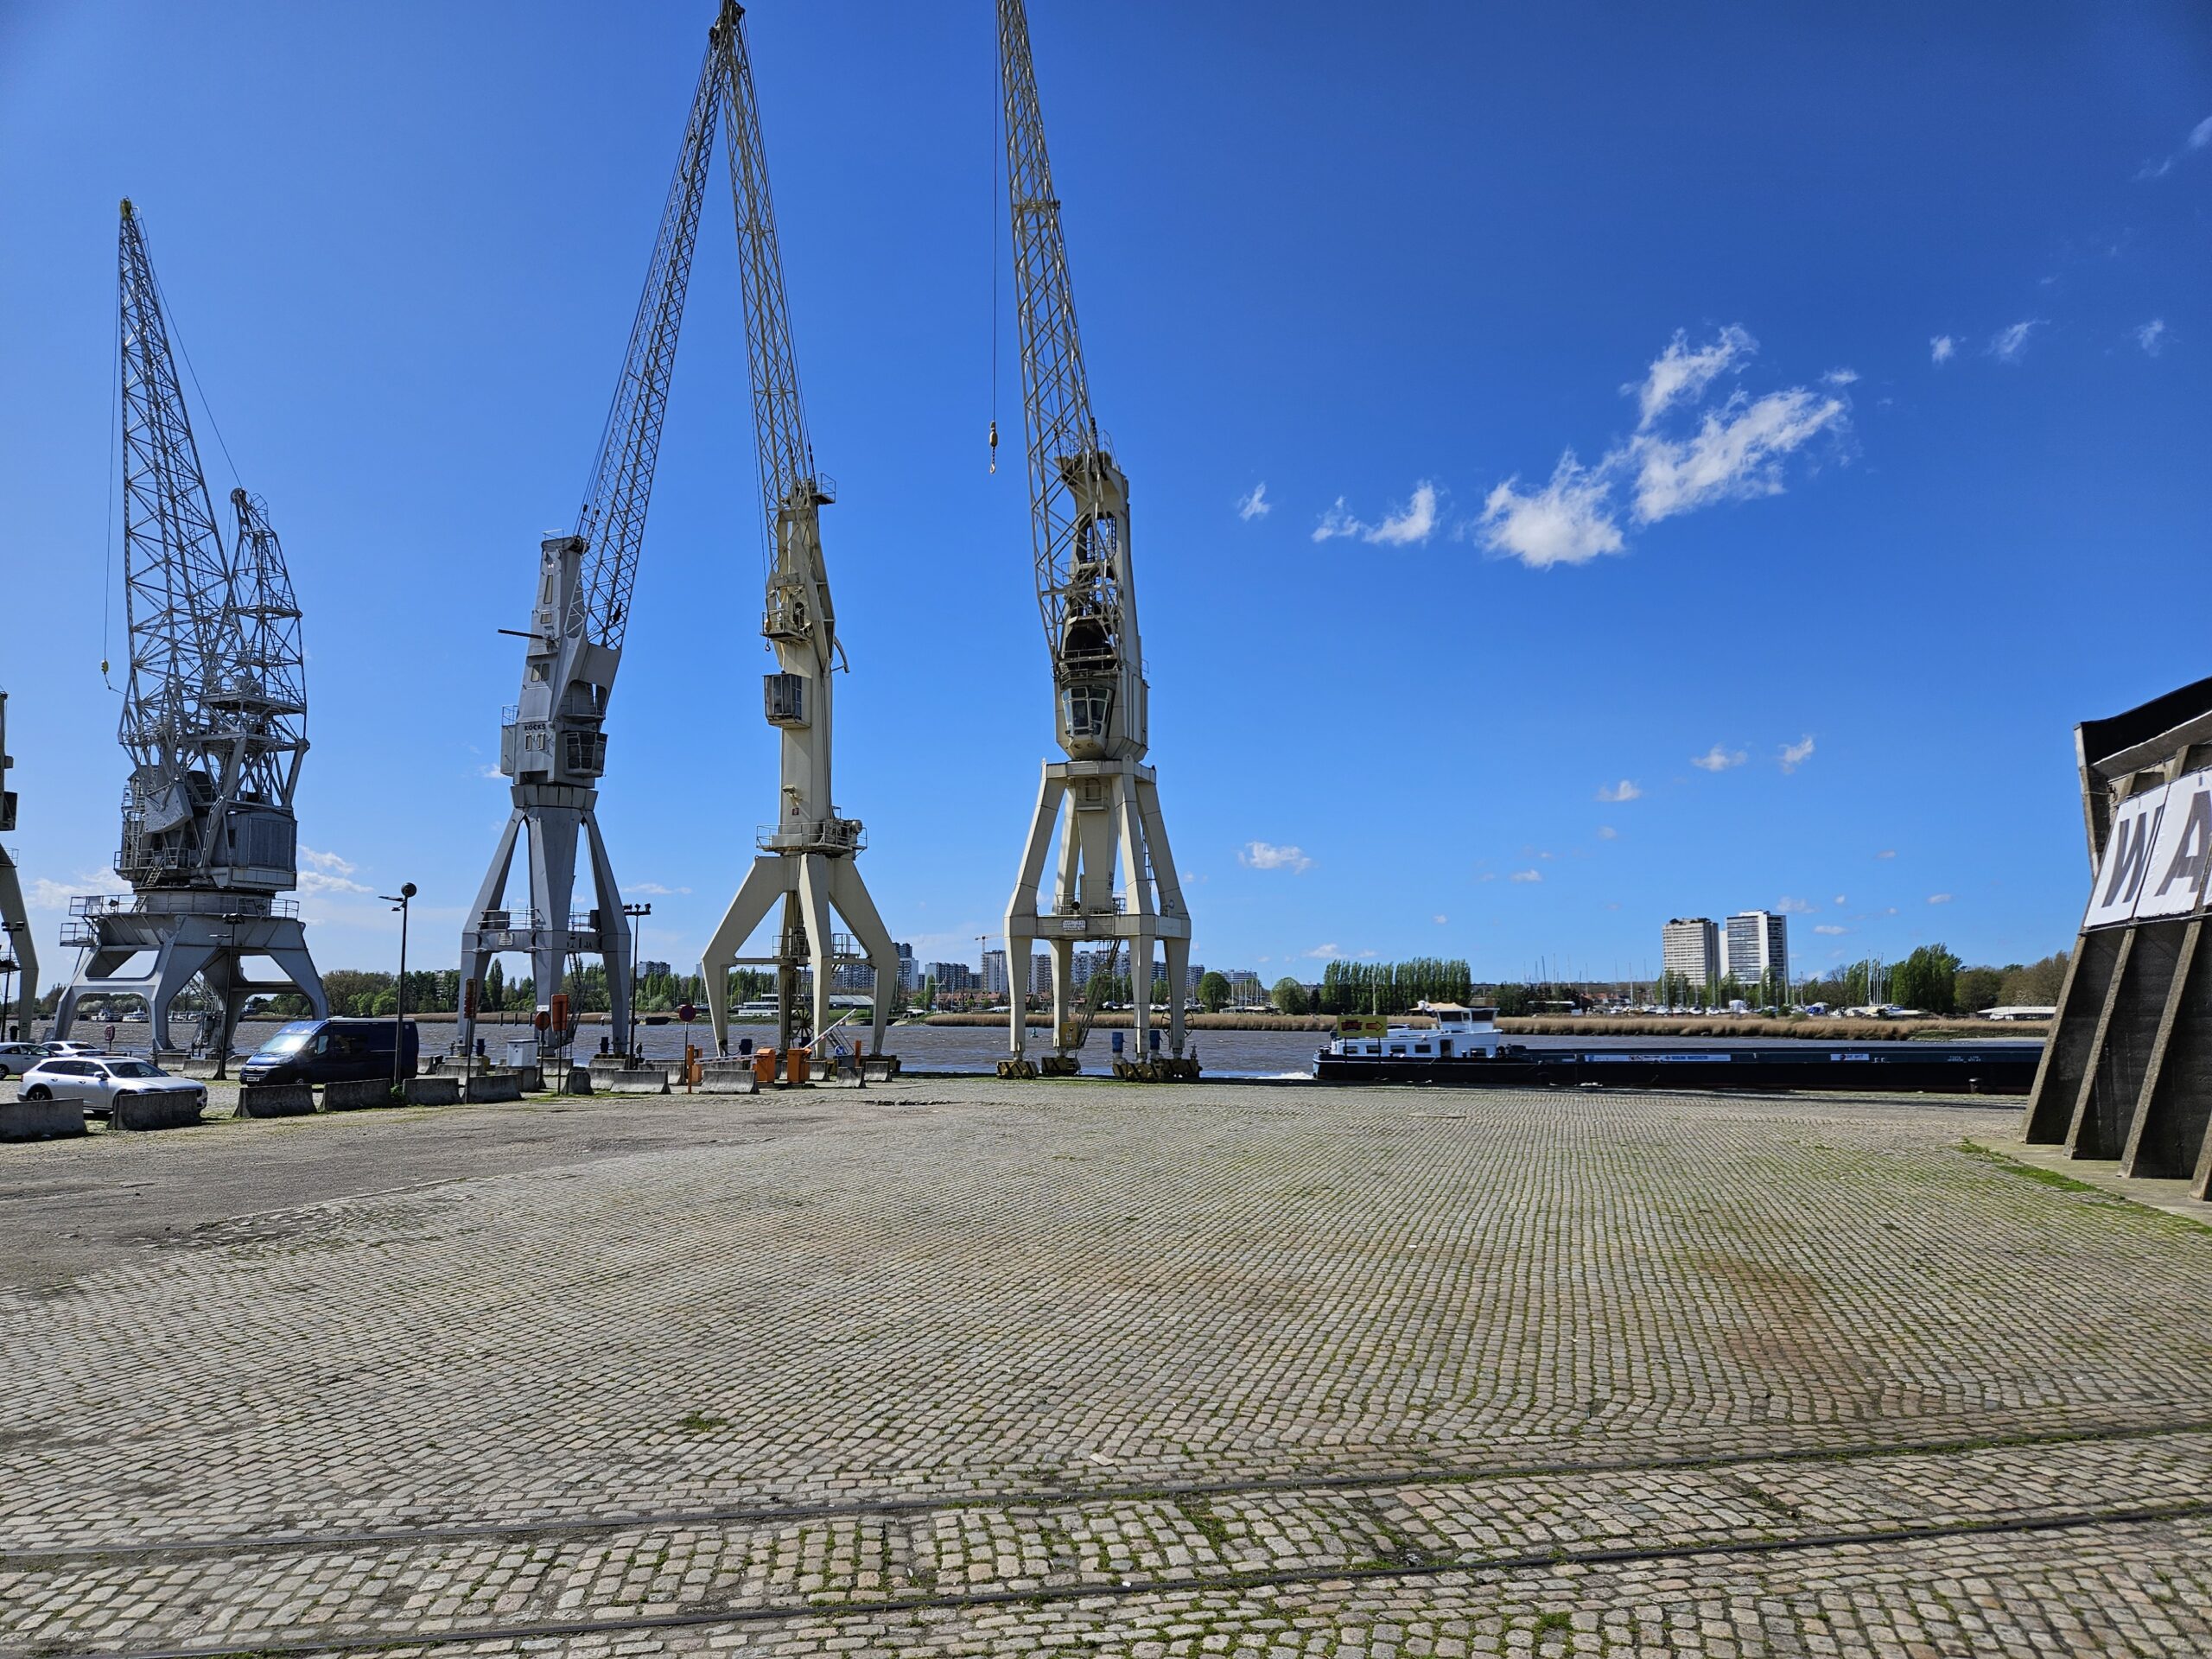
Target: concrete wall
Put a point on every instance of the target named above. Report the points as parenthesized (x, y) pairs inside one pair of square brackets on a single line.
[(38, 1120), (165, 1111), (276, 1100), (357, 1093)]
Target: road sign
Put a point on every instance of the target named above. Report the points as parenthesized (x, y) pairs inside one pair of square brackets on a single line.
[(687, 1014)]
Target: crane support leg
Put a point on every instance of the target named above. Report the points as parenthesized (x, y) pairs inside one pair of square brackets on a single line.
[(15, 924), (1022, 909), (476, 955), (849, 893), (613, 934), (820, 948), (1170, 887), (763, 884), (186, 944)]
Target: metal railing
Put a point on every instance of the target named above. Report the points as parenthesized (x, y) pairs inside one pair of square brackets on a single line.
[(822, 836)]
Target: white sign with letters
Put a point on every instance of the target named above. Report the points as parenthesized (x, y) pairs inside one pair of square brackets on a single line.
[(2158, 859)]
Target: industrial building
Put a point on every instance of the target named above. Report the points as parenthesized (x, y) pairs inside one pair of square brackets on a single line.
[(2127, 1072)]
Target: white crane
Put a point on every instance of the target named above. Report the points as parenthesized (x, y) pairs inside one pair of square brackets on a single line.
[(806, 857), (1086, 592)]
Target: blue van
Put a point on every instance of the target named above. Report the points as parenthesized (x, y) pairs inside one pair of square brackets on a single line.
[(332, 1051)]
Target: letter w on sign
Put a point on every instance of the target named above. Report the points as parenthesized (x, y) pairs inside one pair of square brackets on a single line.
[(2127, 860)]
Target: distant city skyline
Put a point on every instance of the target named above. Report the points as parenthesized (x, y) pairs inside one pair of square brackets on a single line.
[(1543, 511)]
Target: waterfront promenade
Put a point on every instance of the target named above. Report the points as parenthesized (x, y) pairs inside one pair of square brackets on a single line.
[(963, 1367)]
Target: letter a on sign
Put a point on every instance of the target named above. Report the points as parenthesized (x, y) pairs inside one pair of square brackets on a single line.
[(2181, 858), (2127, 860)]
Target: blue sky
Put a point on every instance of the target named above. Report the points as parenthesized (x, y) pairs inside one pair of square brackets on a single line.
[(1678, 567)]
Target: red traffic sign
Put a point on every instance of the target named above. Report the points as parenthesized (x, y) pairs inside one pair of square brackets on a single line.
[(687, 1014)]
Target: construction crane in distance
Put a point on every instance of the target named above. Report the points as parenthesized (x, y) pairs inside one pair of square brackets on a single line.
[(806, 857), (215, 720), (1086, 593), (553, 738), (17, 949)]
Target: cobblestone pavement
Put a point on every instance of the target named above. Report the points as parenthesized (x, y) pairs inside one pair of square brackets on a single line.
[(971, 1368)]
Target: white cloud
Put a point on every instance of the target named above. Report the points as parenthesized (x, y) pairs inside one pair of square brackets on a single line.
[(313, 882), (1736, 456), (1829, 928), (2008, 344), (54, 895), (1942, 348), (2152, 336), (1789, 906), (1606, 832), (1680, 375), (1528, 875), (1337, 522), (1624, 790), (654, 889), (1840, 900), (1323, 953), (1411, 524), (1569, 521), (1439, 920), (492, 774), (1939, 898), (2200, 136), (1841, 378), (1887, 852), (1795, 755), (1263, 855), (1256, 504), (1717, 759), (327, 873)]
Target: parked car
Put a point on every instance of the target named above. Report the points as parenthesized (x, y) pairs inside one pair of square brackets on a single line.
[(16, 1058), (95, 1082), (332, 1051)]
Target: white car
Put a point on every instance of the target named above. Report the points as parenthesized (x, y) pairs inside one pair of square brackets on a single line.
[(16, 1058), (94, 1082)]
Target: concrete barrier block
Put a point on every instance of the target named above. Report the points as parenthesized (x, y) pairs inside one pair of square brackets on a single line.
[(880, 1068), (728, 1078), (276, 1100), (357, 1093), (431, 1092), (494, 1086), (651, 1080), (192, 1068), (155, 1111), (531, 1079), (39, 1120)]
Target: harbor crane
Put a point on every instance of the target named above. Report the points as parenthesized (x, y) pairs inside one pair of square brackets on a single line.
[(214, 720), (553, 738), (805, 861), (1086, 593), (18, 953)]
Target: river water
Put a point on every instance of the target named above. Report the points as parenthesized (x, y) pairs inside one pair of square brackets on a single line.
[(974, 1048)]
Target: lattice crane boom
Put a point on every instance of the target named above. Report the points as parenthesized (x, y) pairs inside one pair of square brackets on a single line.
[(612, 519)]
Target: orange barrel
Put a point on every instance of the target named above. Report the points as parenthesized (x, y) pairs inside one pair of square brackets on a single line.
[(795, 1066), (764, 1065)]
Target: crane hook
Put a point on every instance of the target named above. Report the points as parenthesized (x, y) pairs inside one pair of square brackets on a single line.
[(995, 447)]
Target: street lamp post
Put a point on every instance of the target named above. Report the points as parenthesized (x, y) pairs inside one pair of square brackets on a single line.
[(636, 913), (398, 901)]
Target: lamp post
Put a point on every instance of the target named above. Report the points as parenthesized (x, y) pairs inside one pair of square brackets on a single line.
[(398, 901), (636, 913)]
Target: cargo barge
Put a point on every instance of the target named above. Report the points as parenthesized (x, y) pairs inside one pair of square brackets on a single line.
[(1466, 1049)]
